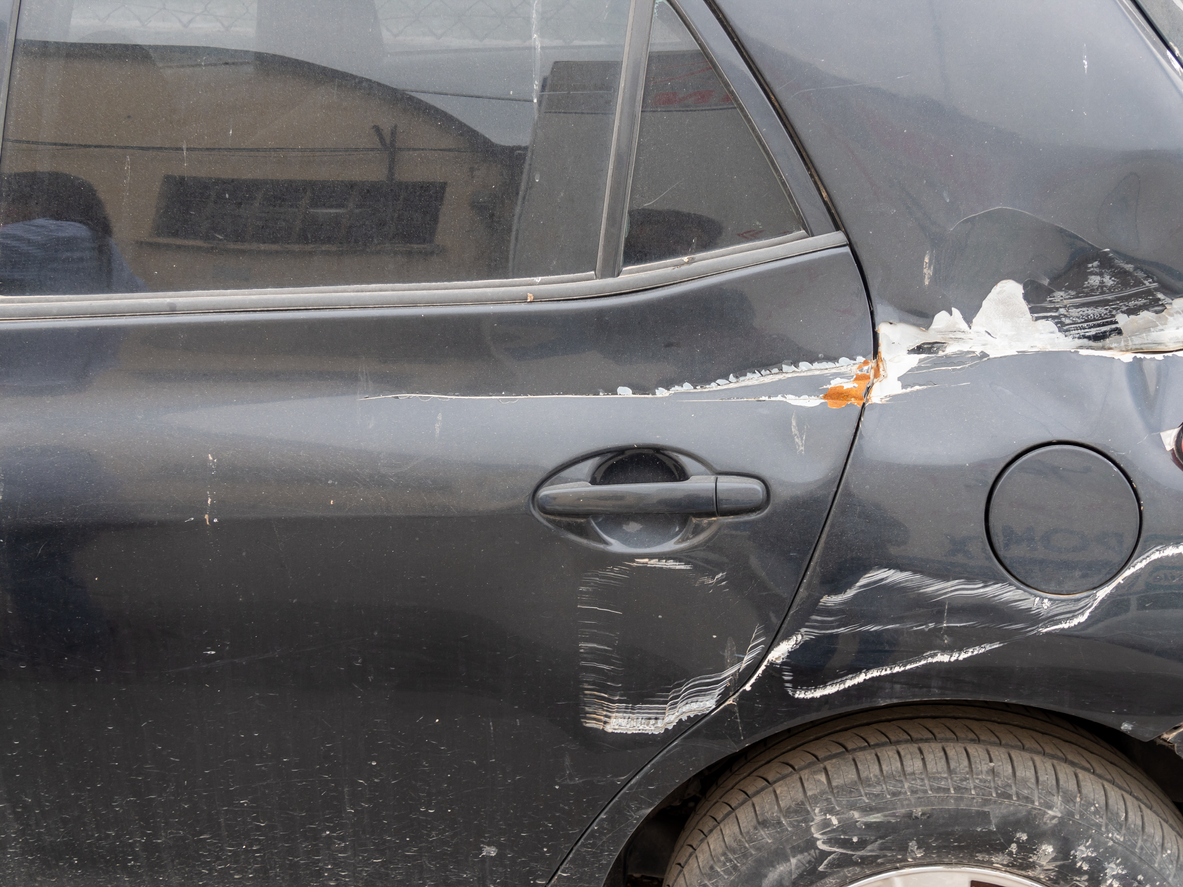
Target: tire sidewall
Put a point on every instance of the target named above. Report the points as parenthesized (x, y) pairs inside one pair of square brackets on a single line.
[(840, 848)]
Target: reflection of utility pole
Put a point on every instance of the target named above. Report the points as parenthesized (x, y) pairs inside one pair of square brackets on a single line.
[(388, 146)]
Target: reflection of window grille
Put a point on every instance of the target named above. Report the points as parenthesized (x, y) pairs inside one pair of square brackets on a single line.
[(427, 22), (298, 212), (211, 18), (511, 22)]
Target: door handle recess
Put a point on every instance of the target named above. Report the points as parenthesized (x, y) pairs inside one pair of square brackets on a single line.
[(699, 496)]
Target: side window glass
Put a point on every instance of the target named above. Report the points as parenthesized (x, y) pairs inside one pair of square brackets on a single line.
[(163, 145), (701, 180)]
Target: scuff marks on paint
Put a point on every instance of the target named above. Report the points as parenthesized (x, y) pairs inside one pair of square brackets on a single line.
[(209, 490), (799, 433), (841, 381), (1090, 298), (686, 699), (607, 702), (925, 621), (661, 563)]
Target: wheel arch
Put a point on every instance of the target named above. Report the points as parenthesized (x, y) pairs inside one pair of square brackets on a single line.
[(645, 853)]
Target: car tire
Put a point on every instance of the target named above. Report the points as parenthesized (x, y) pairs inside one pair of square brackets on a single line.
[(933, 796)]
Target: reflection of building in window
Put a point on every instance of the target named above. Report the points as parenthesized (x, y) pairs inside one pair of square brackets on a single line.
[(566, 170), (222, 166), (302, 212), (698, 160)]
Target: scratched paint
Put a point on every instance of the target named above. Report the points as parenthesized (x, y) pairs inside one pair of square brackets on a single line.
[(959, 618), (606, 703), (839, 383), (1005, 324)]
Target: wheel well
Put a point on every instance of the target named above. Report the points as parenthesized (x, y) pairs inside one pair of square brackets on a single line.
[(644, 859)]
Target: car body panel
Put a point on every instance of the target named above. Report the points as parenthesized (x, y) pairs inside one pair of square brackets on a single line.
[(294, 566), (950, 188), (274, 579)]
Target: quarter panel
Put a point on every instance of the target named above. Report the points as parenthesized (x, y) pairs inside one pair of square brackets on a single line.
[(918, 116)]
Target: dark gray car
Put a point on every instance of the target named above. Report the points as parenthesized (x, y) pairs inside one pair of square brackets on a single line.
[(591, 443)]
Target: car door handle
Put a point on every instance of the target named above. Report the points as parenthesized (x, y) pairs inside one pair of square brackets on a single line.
[(700, 496)]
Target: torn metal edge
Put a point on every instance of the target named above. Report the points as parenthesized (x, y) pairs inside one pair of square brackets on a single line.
[(1173, 738)]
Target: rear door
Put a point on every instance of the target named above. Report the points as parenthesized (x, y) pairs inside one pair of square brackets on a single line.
[(411, 419)]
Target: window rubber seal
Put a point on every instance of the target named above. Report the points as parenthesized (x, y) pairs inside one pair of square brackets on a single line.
[(6, 66), (625, 133), (492, 292)]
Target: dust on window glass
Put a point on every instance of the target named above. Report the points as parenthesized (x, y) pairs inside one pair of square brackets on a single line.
[(171, 145), (701, 180)]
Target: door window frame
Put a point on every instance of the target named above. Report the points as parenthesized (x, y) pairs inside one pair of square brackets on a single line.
[(610, 278)]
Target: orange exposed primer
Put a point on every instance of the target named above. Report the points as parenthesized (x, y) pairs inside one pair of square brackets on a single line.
[(855, 391)]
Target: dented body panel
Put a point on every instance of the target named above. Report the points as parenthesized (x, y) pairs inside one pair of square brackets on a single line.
[(908, 112), (275, 581), (1023, 262)]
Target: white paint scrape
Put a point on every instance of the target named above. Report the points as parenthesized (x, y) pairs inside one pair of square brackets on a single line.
[(695, 696), (1004, 326), (957, 618)]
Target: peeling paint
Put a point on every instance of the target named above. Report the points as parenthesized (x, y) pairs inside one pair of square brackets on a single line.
[(949, 611), (1086, 317), (1006, 325), (852, 391)]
